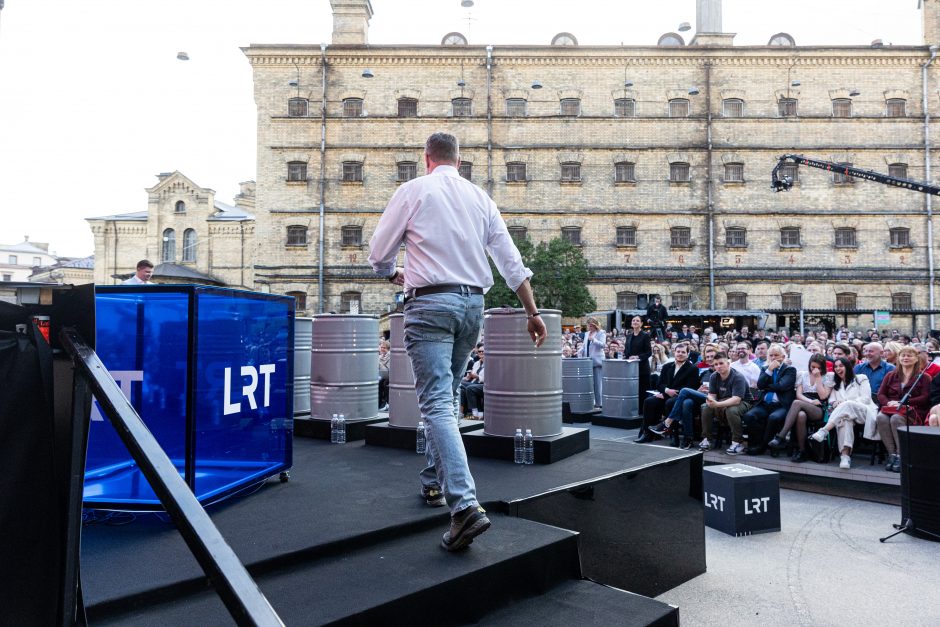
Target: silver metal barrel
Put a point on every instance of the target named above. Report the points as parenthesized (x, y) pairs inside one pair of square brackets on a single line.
[(303, 337), (621, 384), (577, 384), (402, 400), (521, 383), (344, 366)]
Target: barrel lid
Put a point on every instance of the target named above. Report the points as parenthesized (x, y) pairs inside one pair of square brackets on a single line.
[(515, 311), (330, 316), (396, 315)]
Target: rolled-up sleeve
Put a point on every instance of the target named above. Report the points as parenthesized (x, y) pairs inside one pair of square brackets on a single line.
[(503, 250), (388, 235)]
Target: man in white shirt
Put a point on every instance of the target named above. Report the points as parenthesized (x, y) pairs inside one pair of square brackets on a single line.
[(448, 225), (746, 367), (142, 277)]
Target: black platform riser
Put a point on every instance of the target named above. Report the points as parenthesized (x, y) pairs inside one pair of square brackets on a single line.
[(617, 423), (547, 450), (384, 434), (320, 429)]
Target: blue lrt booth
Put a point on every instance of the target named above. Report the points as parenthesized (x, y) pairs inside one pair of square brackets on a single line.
[(210, 371)]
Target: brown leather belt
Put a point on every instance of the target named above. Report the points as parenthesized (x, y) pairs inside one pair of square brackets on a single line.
[(443, 289)]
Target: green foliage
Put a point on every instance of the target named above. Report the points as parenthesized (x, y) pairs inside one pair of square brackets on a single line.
[(560, 279)]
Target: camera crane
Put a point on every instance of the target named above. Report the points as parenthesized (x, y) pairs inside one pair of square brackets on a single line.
[(784, 183)]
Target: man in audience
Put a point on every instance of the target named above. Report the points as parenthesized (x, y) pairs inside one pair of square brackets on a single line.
[(760, 353), (778, 386), (874, 367), (842, 351), (472, 377), (727, 398), (744, 366), (687, 401), (675, 375)]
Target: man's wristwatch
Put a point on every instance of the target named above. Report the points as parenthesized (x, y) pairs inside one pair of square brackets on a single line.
[(392, 276), (533, 315)]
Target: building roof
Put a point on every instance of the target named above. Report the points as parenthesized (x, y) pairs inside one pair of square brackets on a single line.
[(39, 248), (226, 212), (175, 271), (137, 215)]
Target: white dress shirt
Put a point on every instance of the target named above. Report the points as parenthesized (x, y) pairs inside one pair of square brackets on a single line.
[(448, 224), (135, 280)]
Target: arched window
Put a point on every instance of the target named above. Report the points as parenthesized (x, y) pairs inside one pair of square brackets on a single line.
[(189, 245), (896, 108), (169, 246), (352, 107), (179, 207), (462, 107), (842, 108), (571, 172), (350, 302)]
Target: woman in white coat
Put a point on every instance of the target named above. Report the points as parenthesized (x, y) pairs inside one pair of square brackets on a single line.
[(849, 404), (595, 341)]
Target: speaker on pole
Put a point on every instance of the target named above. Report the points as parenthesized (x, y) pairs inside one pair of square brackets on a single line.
[(920, 476)]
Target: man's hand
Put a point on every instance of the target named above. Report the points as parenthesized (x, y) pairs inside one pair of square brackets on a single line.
[(399, 277), (671, 392), (659, 395), (711, 402), (537, 330)]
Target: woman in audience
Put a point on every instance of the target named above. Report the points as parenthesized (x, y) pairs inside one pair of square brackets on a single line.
[(900, 382), (595, 343), (850, 403), (811, 395), (657, 361), (891, 353)]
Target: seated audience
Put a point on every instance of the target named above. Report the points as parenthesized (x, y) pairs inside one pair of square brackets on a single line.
[(727, 398), (874, 368), (898, 384), (675, 375), (850, 404), (810, 402), (777, 384), (688, 400)]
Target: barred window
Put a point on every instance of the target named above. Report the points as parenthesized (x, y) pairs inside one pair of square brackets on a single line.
[(841, 178), (624, 172), (679, 108), (169, 247), (515, 172), (624, 107), (680, 237), (297, 107), (179, 207), (300, 300), (786, 107), (679, 172), (791, 300), (736, 300), (570, 172), (734, 173), (407, 170), (516, 107), (466, 170), (900, 237), (790, 237), (352, 171), (896, 108), (841, 108), (736, 237), (626, 236), (791, 170), (296, 235), (407, 108), (462, 107), (732, 108), (571, 106), (350, 302), (352, 107), (901, 300), (682, 300), (189, 245), (518, 233), (352, 235), (297, 171), (847, 300), (898, 169), (626, 300), (571, 234), (845, 238)]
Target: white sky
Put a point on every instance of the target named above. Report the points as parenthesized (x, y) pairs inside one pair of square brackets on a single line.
[(94, 103)]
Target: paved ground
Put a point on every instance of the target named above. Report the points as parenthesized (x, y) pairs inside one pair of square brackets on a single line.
[(825, 567)]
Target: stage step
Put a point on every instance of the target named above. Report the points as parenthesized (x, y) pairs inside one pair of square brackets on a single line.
[(409, 580), (583, 602)]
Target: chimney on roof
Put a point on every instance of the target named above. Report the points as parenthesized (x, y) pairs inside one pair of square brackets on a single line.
[(708, 31), (351, 21)]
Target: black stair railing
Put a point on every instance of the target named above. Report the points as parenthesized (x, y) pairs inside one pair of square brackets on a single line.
[(241, 595)]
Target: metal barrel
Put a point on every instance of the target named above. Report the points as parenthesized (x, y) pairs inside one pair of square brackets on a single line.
[(303, 338), (577, 384), (521, 383), (621, 384), (402, 400), (344, 366)]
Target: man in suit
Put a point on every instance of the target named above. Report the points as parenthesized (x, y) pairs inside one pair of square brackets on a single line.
[(675, 375), (777, 386)]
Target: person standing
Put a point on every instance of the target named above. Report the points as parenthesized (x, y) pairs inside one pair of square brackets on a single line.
[(448, 226), (637, 347), (656, 315), (595, 341), (143, 274)]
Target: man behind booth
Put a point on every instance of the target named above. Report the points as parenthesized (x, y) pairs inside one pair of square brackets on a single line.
[(143, 274), (448, 225), (656, 316)]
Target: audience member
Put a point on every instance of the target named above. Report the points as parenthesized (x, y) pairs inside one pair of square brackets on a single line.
[(901, 383), (777, 384), (728, 399), (850, 403), (809, 404), (675, 375)]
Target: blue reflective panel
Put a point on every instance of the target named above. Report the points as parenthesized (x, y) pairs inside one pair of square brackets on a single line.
[(142, 340), (243, 389)]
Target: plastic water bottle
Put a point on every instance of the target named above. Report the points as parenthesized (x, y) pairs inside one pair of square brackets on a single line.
[(528, 446), (334, 427), (519, 447), (421, 439), (341, 429)]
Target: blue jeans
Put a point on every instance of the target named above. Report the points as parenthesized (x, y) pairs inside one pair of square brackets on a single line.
[(686, 402), (440, 332)]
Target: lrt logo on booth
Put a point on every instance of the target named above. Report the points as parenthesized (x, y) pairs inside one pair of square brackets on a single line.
[(123, 378), (715, 502), (248, 391), (756, 506)]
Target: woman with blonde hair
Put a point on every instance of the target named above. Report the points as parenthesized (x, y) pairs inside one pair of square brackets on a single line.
[(901, 382), (891, 352), (595, 343)]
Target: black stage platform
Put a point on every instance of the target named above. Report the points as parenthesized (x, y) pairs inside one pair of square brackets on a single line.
[(348, 540)]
